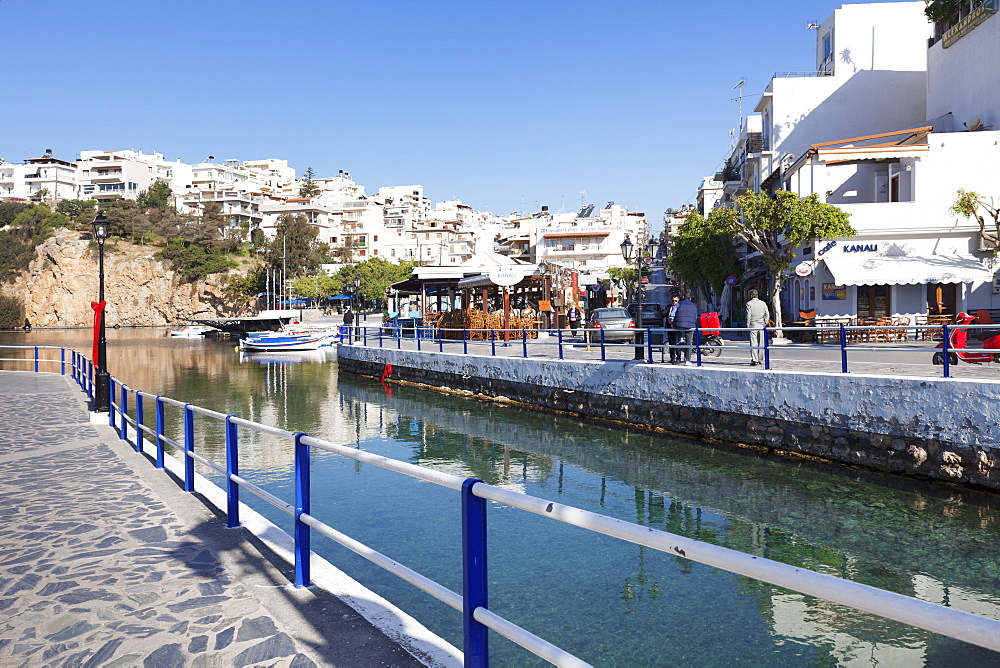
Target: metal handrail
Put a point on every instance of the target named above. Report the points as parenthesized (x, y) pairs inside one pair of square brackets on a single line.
[(590, 338)]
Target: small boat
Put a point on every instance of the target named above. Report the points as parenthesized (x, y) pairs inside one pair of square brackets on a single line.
[(192, 331), (281, 342)]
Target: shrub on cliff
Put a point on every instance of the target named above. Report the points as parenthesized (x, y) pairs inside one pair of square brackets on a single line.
[(30, 227), (11, 312), (195, 261)]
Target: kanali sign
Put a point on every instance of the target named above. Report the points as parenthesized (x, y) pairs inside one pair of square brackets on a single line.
[(506, 275)]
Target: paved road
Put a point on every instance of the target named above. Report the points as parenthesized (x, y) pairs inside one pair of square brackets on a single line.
[(105, 562)]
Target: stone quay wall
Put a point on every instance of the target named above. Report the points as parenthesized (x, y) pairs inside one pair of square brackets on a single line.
[(941, 429)]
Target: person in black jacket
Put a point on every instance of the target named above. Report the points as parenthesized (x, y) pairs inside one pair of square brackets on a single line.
[(685, 320)]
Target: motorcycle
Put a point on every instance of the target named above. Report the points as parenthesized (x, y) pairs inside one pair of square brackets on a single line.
[(958, 338), (711, 341)]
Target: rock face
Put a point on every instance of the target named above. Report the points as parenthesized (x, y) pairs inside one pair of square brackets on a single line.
[(62, 280)]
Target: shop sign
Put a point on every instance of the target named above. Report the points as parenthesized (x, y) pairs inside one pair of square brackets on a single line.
[(834, 291), (804, 268), (826, 248), (861, 248), (506, 275)]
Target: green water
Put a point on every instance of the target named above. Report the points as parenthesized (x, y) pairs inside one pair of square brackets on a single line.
[(611, 603)]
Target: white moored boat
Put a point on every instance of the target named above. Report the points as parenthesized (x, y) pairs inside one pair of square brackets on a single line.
[(192, 331)]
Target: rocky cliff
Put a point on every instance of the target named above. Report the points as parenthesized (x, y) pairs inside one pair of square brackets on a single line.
[(62, 280)]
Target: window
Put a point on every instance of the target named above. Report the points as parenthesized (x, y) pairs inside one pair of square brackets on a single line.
[(333, 240), (374, 238), (827, 46), (392, 252)]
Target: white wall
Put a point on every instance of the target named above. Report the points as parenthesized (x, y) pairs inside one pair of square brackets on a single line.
[(964, 79)]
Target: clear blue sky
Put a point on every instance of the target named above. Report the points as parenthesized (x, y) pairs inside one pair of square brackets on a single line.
[(495, 102)]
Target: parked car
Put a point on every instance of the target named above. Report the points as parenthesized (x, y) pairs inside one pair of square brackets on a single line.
[(616, 323), (650, 313)]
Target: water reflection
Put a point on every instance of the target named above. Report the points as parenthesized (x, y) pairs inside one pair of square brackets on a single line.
[(636, 606)]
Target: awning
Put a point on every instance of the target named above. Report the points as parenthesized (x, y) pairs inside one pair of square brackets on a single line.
[(570, 235), (906, 262)]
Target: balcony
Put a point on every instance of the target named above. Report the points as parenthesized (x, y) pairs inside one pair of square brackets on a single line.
[(757, 142)]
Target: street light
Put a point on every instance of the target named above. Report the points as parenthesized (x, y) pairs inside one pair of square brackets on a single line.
[(357, 292), (102, 381), (627, 248)]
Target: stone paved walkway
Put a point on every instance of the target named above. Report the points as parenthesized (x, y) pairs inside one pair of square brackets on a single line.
[(104, 562)]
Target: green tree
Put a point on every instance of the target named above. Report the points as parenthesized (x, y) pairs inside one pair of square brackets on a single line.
[(308, 187), (376, 276), (11, 312), (29, 227), (626, 276), (317, 287), (703, 253), (195, 261), (9, 211), (80, 211), (971, 204), (157, 197), (295, 247), (776, 226)]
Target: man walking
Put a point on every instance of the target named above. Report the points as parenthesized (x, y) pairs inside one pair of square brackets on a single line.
[(757, 317), (685, 320)]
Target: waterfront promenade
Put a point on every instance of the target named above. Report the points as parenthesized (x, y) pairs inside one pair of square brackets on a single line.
[(104, 561)]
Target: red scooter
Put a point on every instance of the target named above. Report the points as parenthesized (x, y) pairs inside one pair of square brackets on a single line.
[(958, 338)]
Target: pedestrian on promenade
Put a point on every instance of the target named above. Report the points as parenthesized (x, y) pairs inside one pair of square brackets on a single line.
[(675, 353), (757, 317), (348, 324), (574, 316), (685, 320)]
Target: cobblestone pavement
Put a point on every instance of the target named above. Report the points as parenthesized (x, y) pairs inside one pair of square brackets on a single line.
[(103, 565)]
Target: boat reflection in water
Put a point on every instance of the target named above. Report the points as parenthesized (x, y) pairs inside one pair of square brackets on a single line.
[(289, 356)]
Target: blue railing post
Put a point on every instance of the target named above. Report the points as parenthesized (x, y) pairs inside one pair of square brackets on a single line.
[(604, 351), (72, 366), (36, 359), (697, 345), (188, 447), (649, 345), (465, 341), (302, 547), (364, 335), (111, 400), (232, 469), (62, 361), (90, 379), (474, 575), (416, 334), (493, 342), (767, 349), (524, 341), (140, 422), (843, 349), (123, 410), (381, 334), (945, 343), (440, 339), (559, 337), (159, 432)]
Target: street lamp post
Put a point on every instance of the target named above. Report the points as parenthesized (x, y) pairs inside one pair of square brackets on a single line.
[(102, 380), (357, 292), (627, 249)]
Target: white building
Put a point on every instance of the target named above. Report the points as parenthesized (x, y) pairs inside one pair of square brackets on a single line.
[(912, 257), (870, 77), (110, 175)]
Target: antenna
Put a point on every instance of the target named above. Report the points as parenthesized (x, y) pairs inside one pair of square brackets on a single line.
[(583, 198), (739, 98)]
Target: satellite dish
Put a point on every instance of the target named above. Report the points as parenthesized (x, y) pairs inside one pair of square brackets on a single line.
[(975, 124)]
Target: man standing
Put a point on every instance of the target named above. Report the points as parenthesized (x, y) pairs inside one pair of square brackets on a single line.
[(757, 317), (685, 320), (574, 316), (675, 353)]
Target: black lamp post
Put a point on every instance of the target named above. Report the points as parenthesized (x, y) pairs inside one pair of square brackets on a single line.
[(357, 292), (627, 249), (102, 380)]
